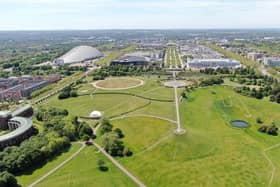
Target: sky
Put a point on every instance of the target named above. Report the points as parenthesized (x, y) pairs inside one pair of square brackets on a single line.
[(138, 14)]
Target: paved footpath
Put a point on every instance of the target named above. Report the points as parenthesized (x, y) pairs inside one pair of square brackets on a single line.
[(116, 163), (57, 167)]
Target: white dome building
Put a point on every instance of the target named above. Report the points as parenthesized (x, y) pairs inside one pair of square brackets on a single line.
[(79, 54), (95, 115)]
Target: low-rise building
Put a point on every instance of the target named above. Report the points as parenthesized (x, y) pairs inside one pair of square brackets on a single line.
[(131, 59), (20, 124), (213, 63), (271, 61), (255, 56)]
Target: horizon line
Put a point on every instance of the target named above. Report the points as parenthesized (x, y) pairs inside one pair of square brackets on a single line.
[(163, 29)]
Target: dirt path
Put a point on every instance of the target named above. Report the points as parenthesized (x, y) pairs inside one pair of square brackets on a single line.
[(273, 168), (116, 163), (57, 167)]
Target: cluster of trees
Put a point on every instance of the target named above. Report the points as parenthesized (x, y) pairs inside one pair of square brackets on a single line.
[(253, 92), (111, 140), (212, 71), (275, 94), (54, 138), (54, 119), (121, 70), (271, 129), (8, 180), (67, 92), (211, 81)]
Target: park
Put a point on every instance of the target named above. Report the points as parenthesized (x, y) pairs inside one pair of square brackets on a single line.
[(210, 151)]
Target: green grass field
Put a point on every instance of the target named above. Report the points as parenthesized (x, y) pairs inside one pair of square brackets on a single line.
[(83, 171), (28, 178), (116, 83), (211, 153)]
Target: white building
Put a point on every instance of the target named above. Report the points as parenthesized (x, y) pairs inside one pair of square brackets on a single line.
[(271, 61), (254, 56), (213, 63)]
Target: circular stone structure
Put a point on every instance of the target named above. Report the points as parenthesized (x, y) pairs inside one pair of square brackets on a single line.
[(177, 84), (239, 124), (118, 83)]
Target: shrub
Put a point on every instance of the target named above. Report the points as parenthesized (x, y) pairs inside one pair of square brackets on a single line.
[(272, 130), (127, 152), (263, 128), (101, 165), (259, 120)]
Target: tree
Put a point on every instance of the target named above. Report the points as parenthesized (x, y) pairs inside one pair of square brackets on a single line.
[(101, 165), (272, 130), (112, 144), (119, 132), (7, 180), (259, 120), (263, 128), (127, 152), (184, 95), (106, 126)]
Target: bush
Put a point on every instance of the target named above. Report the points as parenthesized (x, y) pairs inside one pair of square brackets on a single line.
[(7, 180), (211, 81), (63, 95), (119, 132), (73, 93), (263, 128), (272, 130), (259, 120), (101, 165), (127, 152)]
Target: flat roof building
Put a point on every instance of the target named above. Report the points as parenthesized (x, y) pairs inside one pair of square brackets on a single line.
[(213, 63), (131, 59), (271, 62), (20, 124)]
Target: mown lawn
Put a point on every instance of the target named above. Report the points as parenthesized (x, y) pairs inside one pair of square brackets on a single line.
[(28, 178), (211, 153), (83, 171)]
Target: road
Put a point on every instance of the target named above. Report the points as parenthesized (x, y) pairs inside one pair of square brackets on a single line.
[(116, 163), (57, 167)]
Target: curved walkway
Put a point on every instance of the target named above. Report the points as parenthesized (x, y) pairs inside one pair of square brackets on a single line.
[(145, 115), (58, 167), (141, 83)]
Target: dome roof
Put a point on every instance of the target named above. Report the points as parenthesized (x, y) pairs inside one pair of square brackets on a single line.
[(79, 54), (95, 114)]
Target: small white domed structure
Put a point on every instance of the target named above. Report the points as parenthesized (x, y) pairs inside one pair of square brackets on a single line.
[(95, 115)]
